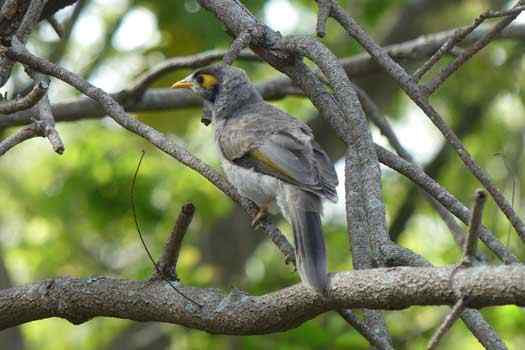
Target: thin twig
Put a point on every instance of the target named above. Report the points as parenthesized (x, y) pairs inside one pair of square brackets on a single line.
[(323, 12), (459, 36), (477, 46), (133, 209), (132, 200), (60, 48), (241, 42), (363, 329), (469, 250), (513, 177), (468, 257), (20, 136), (167, 265), (31, 18), (45, 116), (420, 97), (452, 317), (445, 198), (194, 61), (26, 102)]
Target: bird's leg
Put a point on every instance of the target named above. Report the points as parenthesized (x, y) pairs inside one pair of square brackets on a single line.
[(262, 212)]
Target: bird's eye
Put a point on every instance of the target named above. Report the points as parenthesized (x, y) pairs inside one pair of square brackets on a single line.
[(207, 81)]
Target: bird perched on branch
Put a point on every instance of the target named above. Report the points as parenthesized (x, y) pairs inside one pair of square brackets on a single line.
[(270, 158)]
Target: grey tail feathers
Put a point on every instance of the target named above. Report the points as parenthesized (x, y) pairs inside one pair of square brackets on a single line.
[(310, 254)]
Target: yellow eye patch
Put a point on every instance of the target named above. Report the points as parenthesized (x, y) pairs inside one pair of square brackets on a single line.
[(207, 81)]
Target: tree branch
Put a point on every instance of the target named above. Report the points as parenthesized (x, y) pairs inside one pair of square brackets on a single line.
[(373, 113), (173, 64), (458, 308), (446, 72), (418, 95), (137, 98), (373, 338), (47, 124), (79, 300), (466, 261), (20, 136), (38, 91), (459, 36), (167, 265), (19, 53), (429, 185), (469, 250), (31, 18)]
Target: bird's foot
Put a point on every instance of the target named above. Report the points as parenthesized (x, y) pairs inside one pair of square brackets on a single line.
[(261, 214)]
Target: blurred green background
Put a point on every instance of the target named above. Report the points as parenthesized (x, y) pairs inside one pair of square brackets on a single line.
[(70, 215)]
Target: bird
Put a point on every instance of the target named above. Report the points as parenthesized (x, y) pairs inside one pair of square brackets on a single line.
[(270, 158)]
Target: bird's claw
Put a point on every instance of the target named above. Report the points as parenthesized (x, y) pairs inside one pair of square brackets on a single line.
[(261, 214)]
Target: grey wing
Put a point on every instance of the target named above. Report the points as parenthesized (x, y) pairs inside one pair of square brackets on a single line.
[(289, 157), (283, 147), (328, 176)]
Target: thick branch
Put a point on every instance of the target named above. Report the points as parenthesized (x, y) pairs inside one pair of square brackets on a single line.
[(472, 318), (366, 212), (79, 300)]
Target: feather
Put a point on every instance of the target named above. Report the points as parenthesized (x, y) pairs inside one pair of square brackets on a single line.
[(268, 140)]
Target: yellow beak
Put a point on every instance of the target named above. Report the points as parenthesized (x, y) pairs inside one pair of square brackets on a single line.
[(182, 84)]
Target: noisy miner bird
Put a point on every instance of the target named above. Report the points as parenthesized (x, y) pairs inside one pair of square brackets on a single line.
[(270, 158)]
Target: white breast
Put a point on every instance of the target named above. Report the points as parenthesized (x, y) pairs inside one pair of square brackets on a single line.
[(260, 188)]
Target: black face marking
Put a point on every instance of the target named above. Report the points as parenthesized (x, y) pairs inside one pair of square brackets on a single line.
[(214, 93), (199, 79)]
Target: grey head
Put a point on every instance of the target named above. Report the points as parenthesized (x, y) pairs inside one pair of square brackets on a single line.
[(225, 89)]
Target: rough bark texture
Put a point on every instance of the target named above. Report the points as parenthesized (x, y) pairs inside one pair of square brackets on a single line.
[(79, 300)]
